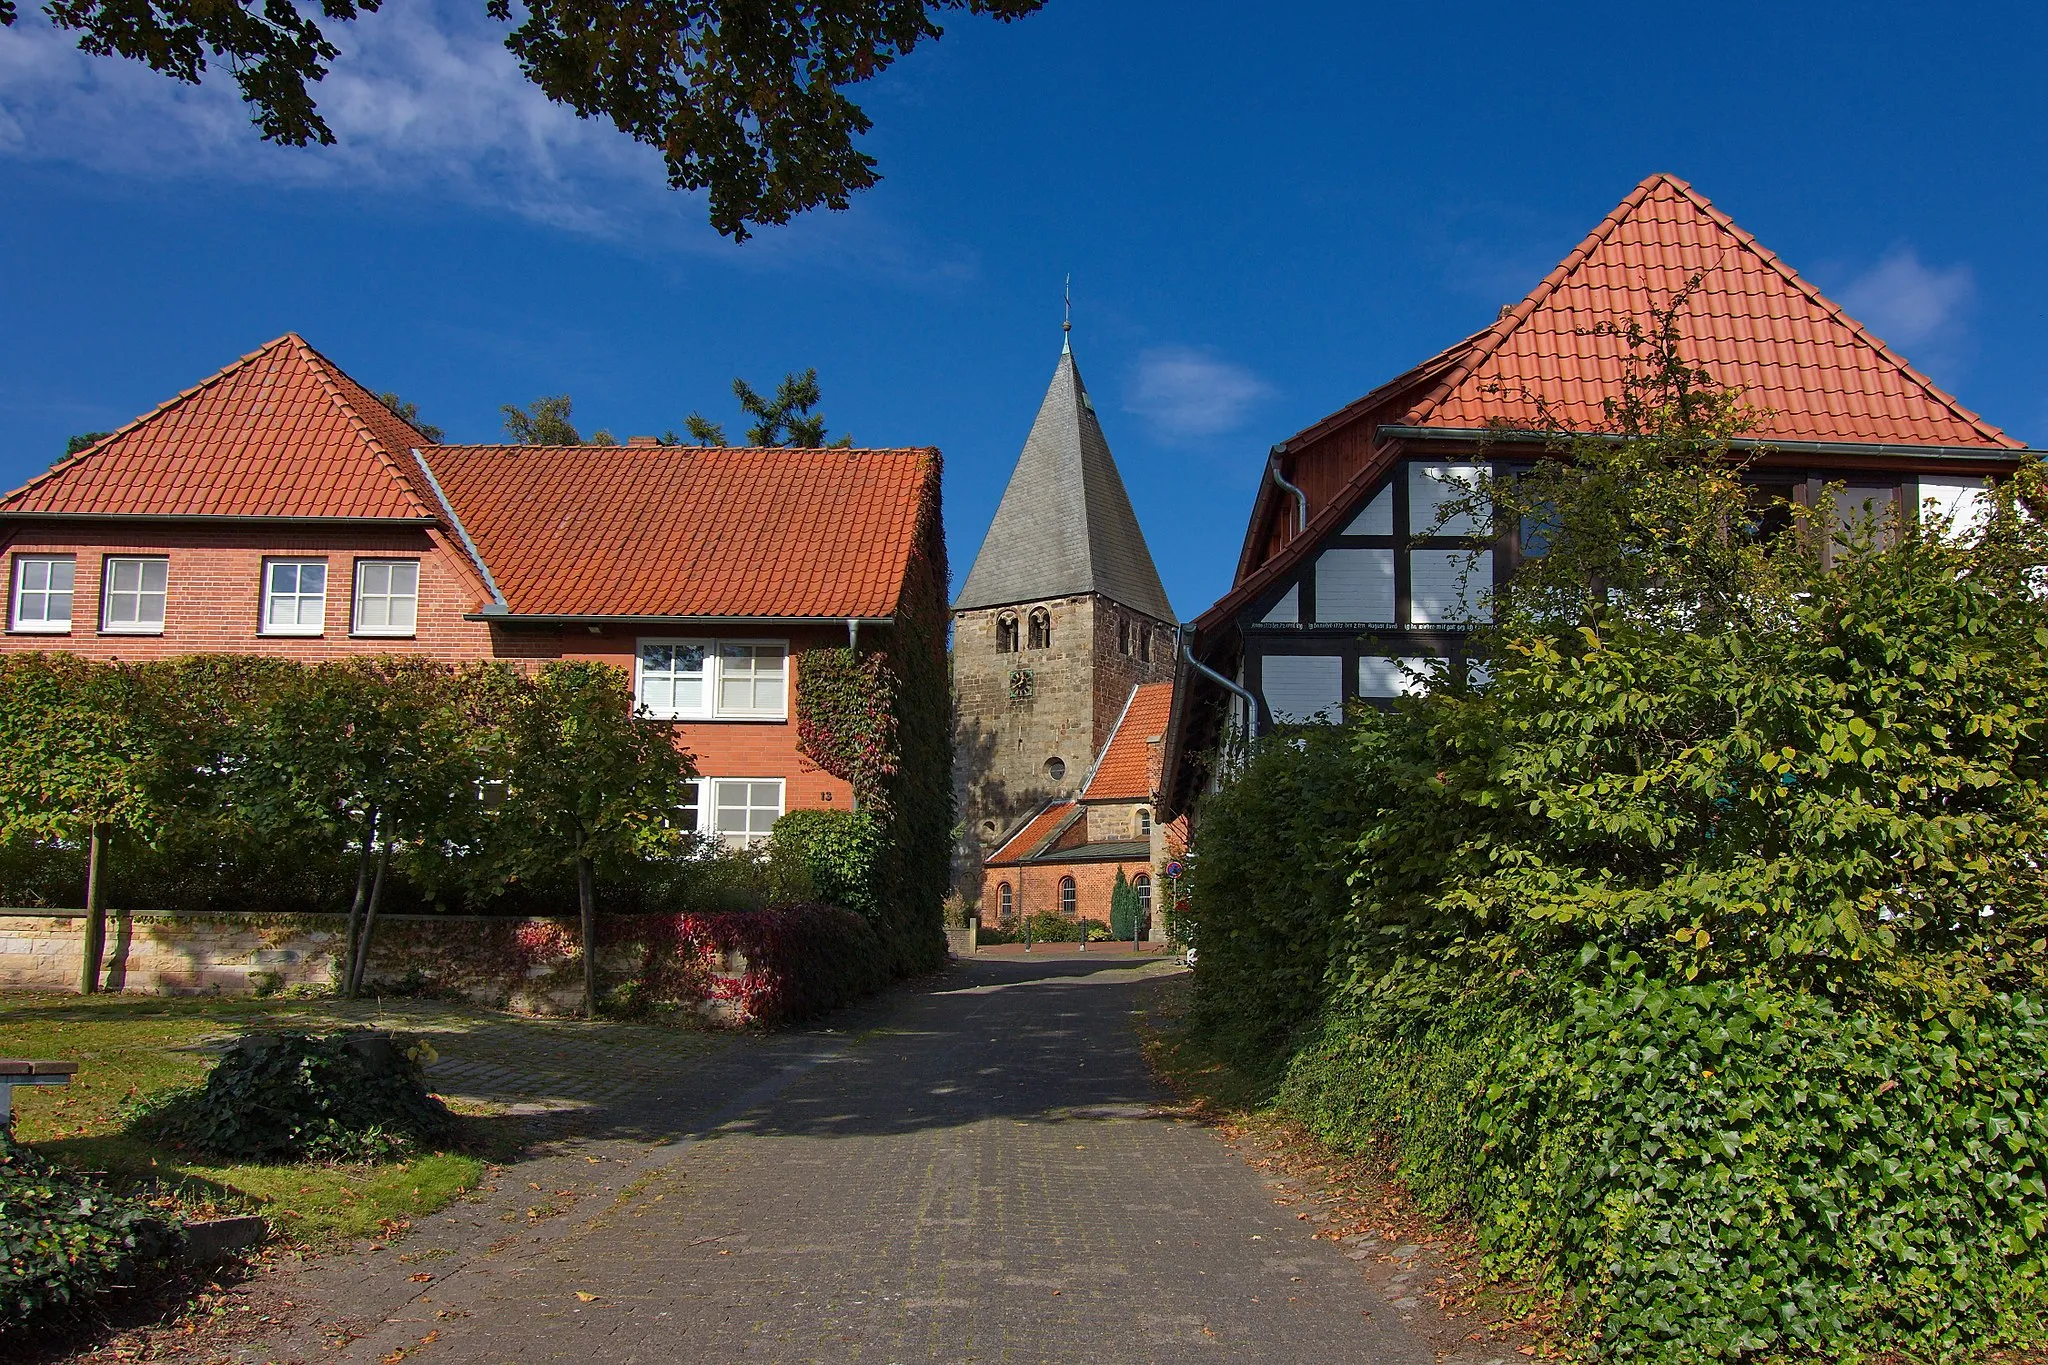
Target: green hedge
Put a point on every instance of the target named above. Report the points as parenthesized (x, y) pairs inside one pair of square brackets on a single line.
[(1722, 1170), (65, 1242), (842, 853)]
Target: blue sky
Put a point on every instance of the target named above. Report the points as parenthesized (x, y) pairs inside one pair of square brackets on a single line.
[(1266, 211)]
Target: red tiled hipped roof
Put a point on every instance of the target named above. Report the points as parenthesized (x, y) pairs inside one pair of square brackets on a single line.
[(1752, 322), (1124, 771), (689, 531), (281, 432)]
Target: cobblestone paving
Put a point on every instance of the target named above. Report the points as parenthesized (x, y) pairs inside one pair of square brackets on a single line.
[(975, 1170)]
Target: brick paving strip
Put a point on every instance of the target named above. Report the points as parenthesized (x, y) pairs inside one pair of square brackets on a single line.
[(975, 1168)]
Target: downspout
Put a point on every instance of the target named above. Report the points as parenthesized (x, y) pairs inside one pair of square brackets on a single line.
[(1300, 498), (1251, 705)]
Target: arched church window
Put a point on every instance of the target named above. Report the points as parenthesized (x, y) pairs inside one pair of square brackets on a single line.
[(1041, 629), (1055, 768), (1142, 884), (1123, 638), (1067, 897), (1145, 644), (1006, 635), (1144, 823), (1006, 906)]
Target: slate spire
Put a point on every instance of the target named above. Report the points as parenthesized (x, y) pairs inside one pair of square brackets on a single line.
[(1065, 525)]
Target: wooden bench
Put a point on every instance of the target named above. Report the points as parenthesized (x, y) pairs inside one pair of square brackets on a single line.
[(23, 1071)]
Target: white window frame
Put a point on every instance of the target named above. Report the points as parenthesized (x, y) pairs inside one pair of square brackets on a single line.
[(265, 626), (711, 707), (48, 625), (707, 811), (108, 572), (356, 626)]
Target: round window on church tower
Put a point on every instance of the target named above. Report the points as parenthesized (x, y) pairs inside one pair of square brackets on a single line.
[(1055, 768)]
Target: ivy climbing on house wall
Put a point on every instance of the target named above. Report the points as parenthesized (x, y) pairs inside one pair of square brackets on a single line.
[(846, 720)]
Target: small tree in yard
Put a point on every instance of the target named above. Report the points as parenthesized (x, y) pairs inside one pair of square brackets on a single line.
[(369, 752), (585, 779), (76, 763)]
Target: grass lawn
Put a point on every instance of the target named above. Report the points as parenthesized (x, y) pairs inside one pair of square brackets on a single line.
[(128, 1047)]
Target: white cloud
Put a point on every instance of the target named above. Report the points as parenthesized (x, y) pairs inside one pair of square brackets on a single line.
[(1187, 392), (425, 104), (1910, 303)]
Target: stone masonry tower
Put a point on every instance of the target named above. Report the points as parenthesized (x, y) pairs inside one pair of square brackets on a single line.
[(1061, 615)]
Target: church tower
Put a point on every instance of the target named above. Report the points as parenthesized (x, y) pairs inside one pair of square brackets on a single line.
[(1061, 616)]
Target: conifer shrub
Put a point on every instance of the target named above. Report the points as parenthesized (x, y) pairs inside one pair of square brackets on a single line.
[(66, 1242)]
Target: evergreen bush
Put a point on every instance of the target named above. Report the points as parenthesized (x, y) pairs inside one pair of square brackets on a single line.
[(65, 1241), (841, 852), (284, 1097)]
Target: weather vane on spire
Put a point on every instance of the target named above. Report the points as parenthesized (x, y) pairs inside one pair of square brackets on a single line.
[(1067, 325)]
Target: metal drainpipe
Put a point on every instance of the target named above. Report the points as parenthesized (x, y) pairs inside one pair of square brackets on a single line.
[(1300, 498), (1251, 705)]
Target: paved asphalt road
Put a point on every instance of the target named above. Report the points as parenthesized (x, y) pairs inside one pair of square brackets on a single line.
[(971, 1170)]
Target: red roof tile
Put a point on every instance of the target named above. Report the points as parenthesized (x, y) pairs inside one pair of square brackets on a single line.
[(687, 531), (280, 433), (1123, 773), (1753, 322), (1033, 834)]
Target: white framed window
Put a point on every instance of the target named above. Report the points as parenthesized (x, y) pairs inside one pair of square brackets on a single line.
[(387, 596), (672, 678), (1142, 884), (294, 597), (689, 817), (712, 679), (1144, 823), (42, 592), (753, 678), (1303, 687), (134, 595), (744, 809)]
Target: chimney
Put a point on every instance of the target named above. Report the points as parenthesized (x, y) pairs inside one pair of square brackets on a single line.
[(643, 440)]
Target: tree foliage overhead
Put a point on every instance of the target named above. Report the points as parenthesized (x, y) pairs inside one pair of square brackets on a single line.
[(743, 98), (786, 419), (409, 413), (545, 422)]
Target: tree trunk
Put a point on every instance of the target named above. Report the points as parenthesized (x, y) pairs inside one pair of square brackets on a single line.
[(355, 984), (355, 907), (95, 947), (586, 898)]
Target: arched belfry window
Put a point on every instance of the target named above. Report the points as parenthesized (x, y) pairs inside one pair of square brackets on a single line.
[(1144, 823), (1041, 629), (1124, 643), (1006, 635)]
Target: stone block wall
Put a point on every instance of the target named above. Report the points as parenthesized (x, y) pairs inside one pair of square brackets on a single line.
[(473, 958)]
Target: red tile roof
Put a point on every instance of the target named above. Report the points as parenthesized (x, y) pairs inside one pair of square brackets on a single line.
[(686, 531), (1033, 834), (1753, 322), (1123, 773), (281, 432)]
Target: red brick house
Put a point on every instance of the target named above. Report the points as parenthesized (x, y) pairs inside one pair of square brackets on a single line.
[(1065, 858), (279, 508)]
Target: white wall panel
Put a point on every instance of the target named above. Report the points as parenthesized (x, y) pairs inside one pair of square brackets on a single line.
[(1964, 502), (1287, 611), (1383, 677), (1448, 587), (1430, 486), (1377, 519), (1355, 587)]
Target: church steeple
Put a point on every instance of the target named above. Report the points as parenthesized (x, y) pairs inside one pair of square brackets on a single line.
[(1065, 525)]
